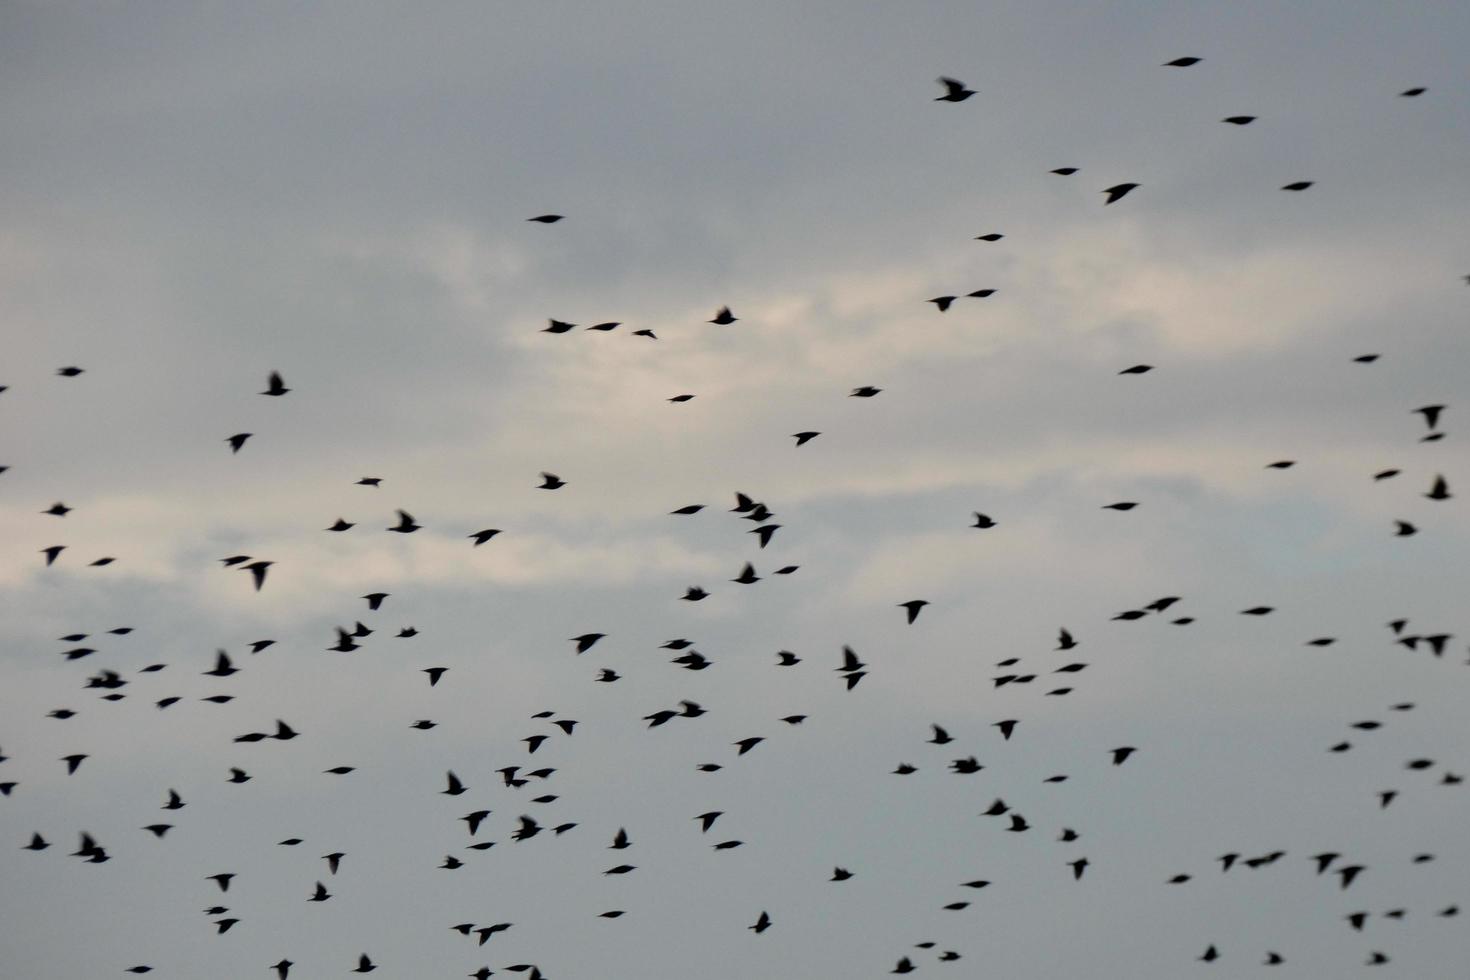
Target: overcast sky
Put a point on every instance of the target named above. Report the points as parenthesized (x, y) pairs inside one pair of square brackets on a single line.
[(195, 195)]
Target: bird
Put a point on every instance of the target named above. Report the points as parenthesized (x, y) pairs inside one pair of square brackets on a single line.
[(954, 90), (365, 965), (550, 481), (1184, 62), (586, 641), (320, 893), (1431, 414), (606, 326), (52, 552), (982, 522), (761, 924), (1123, 505), (237, 440), (943, 302), (69, 372), (912, 608), (480, 537), (1120, 754), (275, 386), (282, 968), (840, 874), (334, 861), (406, 523), (222, 666), (547, 219), (1410, 93), (1077, 867), (1117, 192), (1239, 120), (1137, 369), (866, 391), (454, 786), (802, 438), (1440, 490), (724, 317), (558, 326), (1299, 185), (375, 600), (370, 481), (257, 570), (58, 509)]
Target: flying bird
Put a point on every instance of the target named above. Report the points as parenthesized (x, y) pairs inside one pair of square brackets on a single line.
[(954, 90), (275, 386)]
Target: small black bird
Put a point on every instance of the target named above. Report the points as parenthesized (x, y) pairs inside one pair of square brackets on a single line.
[(913, 606), (1239, 120), (375, 600), (405, 523), (480, 537), (724, 317), (867, 391), (802, 438), (954, 91), (1299, 185), (764, 922), (1117, 192), (275, 386), (455, 787), (550, 481), (547, 219), (257, 570), (236, 441)]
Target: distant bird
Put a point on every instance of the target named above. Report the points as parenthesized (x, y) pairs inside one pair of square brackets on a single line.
[(1210, 954), (320, 893), (1137, 369), (370, 481), (550, 481), (52, 552), (802, 438), (991, 237), (1431, 414), (982, 522), (747, 575), (1239, 120), (480, 537), (912, 607), (455, 787), (1077, 867), (558, 326), (867, 391), (724, 317), (58, 509), (365, 965), (694, 593), (69, 372), (283, 969), (1440, 490), (406, 524), (275, 386), (586, 641), (1184, 62), (1117, 192), (761, 924), (954, 91), (905, 965), (73, 762), (943, 302), (257, 570), (1410, 93), (1065, 641), (547, 219), (236, 441), (1299, 185), (1065, 171), (1006, 727), (1121, 505), (1120, 754)]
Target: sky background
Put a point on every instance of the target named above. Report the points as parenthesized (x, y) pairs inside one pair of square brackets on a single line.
[(194, 195)]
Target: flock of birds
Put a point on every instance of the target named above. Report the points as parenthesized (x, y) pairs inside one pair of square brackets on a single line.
[(1059, 679)]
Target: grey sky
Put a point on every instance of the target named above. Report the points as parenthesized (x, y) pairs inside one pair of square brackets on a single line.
[(194, 195)]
